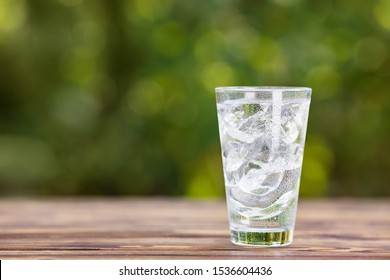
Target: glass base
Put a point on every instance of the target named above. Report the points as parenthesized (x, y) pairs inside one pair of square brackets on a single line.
[(262, 239)]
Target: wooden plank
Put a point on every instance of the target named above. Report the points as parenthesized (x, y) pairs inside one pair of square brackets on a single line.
[(183, 229)]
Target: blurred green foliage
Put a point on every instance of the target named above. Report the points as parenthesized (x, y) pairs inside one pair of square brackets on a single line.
[(116, 97)]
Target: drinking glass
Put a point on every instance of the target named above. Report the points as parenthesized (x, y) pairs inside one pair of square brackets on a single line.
[(262, 132)]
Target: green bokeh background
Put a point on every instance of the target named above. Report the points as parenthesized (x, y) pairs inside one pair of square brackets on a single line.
[(116, 97)]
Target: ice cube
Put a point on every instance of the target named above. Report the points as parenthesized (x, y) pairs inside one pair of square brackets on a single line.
[(301, 114), (233, 117), (295, 156), (245, 123), (287, 113), (255, 200), (272, 180), (233, 159), (261, 151), (252, 200), (260, 207), (290, 131), (238, 135), (254, 126), (270, 160), (252, 178)]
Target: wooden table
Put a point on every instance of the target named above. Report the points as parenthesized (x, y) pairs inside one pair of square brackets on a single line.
[(161, 228)]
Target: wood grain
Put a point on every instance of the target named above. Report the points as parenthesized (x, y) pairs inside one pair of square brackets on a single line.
[(183, 229)]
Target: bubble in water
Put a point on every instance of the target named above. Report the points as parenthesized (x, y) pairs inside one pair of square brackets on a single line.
[(290, 179)]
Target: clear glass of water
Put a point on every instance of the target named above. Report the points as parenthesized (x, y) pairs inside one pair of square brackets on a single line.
[(262, 132)]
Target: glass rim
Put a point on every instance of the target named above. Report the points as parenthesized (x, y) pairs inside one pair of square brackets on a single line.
[(261, 88)]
